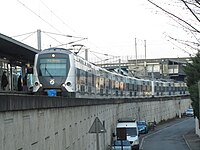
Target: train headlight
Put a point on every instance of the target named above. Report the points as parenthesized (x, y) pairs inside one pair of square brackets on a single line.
[(37, 84), (52, 81), (69, 84), (66, 84)]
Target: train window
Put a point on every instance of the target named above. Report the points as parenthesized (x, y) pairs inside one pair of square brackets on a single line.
[(113, 84), (89, 90), (116, 85), (121, 86), (78, 74), (106, 92), (82, 76), (93, 80), (116, 93), (53, 67), (82, 89), (127, 86), (106, 83), (110, 84), (97, 82), (101, 92)]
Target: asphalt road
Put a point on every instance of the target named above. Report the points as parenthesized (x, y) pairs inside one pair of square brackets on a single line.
[(169, 137)]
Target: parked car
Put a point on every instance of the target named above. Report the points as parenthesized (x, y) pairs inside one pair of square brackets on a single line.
[(189, 112), (121, 144), (142, 127)]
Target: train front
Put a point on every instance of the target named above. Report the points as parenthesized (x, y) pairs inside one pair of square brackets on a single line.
[(54, 73)]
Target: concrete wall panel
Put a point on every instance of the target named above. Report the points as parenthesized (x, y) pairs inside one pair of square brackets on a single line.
[(67, 127)]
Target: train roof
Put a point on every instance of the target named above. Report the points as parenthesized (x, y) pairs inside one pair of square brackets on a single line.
[(57, 50), (67, 51)]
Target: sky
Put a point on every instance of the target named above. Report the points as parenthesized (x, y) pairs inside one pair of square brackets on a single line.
[(107, 28)]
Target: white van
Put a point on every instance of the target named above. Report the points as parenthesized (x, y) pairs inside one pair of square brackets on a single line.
[(127, 130)]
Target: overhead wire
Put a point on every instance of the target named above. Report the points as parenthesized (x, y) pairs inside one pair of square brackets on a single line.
[(38, 16), (96, 55), (71, 36), (58, 17), (24, 5), (28, 36), (24, 34), (52, 38)]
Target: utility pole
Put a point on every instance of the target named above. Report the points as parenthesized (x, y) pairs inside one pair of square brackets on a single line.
[(145, 57), (135, 52), (199, 101), (119, 66), (145, 50), (86, 54), (39, 39)]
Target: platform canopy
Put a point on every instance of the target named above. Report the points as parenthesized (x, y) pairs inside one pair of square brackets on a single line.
[(16, 52)]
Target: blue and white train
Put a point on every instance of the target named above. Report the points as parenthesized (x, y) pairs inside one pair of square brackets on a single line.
[(59, 72)]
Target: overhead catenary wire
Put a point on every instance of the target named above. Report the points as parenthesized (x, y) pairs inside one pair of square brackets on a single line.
[(52, 38), (96, 55), (24, 5), (28, 35), (58, 17), (71, 42), (70, 36), (24, 34), (38, 16)]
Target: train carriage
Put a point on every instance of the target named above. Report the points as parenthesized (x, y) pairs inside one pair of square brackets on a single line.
[(59, 72), (54, 72), (129, 87), (165, 88), (177, 86)]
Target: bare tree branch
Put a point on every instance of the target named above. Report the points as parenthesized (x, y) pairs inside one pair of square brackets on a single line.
[(197, 1), (186, 43), (190, 10), (173, 15)]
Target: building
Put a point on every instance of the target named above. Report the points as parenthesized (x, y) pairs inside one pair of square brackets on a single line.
[(163, 68)]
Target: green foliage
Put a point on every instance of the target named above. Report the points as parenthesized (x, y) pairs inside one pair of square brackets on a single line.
[(192, 71)]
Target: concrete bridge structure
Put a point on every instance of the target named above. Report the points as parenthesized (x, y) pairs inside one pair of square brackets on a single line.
[(29, 122)]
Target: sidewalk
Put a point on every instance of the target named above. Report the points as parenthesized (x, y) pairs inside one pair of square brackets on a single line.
[(192, 140)]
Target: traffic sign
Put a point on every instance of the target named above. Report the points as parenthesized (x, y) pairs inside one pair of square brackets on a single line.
[(97, 127)]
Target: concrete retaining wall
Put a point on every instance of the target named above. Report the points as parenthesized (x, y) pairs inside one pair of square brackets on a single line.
[(67, 128), (197, 128)]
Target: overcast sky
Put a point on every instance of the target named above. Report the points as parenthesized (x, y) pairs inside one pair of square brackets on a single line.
[(110, 26)]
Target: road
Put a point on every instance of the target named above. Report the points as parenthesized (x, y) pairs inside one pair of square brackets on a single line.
[(168, 137)]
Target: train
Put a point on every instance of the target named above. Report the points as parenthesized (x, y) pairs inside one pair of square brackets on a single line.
[(60, 72)]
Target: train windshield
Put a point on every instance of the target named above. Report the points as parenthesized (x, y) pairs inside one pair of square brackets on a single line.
[(53, 67)]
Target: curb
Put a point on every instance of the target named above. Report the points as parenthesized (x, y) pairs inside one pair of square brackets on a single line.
[(188, 145)]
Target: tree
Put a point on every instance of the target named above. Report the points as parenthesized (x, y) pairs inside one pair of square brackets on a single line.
[(192, 71), (186, 16)]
